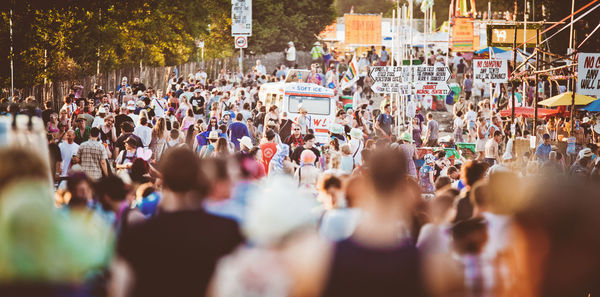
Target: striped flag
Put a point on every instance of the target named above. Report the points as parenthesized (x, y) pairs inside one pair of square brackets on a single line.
[(351, 75)]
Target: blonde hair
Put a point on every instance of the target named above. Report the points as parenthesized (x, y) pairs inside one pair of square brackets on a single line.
[(346, 149), (335, 160)]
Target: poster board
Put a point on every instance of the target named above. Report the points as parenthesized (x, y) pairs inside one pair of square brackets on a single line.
[(490, 70), (362, 29), (588, 78), (504, 35), (462, 35), (241, 17)]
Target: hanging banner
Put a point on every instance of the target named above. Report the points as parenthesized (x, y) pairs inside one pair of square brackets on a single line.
[(241, 17), (490, 70), (588, 67), (462, 35), (329, 33), (362, 29)]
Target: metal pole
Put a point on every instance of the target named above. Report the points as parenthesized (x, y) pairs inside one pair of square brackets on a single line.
[(12, 78), (537, 89), (571, 42), (512, 113), (241, 61)]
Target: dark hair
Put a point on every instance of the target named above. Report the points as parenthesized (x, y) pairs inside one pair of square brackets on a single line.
[(131, 141), (180, 168), (463, 233), (95, 132), (332, 181), (442, 182), (308, 137), (143, 121), (270, 134), (127, 127), (239, 116), (111, 186), (451, 170), (497, 133), (472, 171)]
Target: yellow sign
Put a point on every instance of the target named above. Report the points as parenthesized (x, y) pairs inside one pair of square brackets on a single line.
[(362, 29), (504, 35), (462, 35)]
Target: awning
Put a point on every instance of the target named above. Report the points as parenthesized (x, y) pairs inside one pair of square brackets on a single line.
[(528, 112)]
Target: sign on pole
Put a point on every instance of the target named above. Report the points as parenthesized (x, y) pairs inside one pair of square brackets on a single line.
[(490, 70), (431, 80), (588, 82), (504, 35), (241, 17), (391, 79), (241, 42)]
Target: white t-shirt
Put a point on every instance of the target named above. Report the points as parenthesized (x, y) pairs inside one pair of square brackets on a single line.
[(159, 105), (471, 116), (458, 123), (261, 69), (67, 151), (97, 121), (291, 54), (201, 76), (144, 133)]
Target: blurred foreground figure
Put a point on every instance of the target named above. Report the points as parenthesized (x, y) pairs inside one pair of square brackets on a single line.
[(174, 253)]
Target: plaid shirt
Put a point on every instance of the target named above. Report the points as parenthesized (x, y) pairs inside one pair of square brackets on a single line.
[(91, 153)]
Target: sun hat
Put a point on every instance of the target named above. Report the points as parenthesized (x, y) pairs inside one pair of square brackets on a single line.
[(317, 43), (213, 135), (336, 128), (140, 93), (246, 141), (429, 158), (586, 152), (291, 43), (131, 105), (198, 91), (585, 120), (597, 128), (302, 110), (406, 137), (101, 110), (356, 133)]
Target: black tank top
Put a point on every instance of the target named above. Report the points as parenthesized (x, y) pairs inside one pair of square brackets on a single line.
[(362, 271)]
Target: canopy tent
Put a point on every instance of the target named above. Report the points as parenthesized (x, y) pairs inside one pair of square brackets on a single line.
[(593, 107), (566, 99), (529, 112), (485, 50)]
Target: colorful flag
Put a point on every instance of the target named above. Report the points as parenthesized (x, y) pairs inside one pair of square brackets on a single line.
[(351, 75)]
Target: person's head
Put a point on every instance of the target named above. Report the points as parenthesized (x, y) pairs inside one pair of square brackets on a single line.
[(307, 157), (498, 136), (270, 135), (221, 146), (180, 169), (496, 121), (387, 171), (94, 133), (296, 130), (239, 117), (443, 208), (80, 188), (19, 164), (546, 138), (469, 236), (387, 109), (111, 191), (70, 136), (257, 62), (429, 116), (453, 172), (331, 186), (218, 172), (127, 127), (131, 144), (442, 182), (309, 140), (473, 171)]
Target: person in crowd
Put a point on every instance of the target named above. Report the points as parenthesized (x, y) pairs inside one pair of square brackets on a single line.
[(93, 156), (175, 252)]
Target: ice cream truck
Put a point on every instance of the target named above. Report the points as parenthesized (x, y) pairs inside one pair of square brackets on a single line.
[(319, 103)]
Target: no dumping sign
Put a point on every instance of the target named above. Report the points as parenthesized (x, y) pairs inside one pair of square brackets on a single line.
[(588, 82), (490, 70)]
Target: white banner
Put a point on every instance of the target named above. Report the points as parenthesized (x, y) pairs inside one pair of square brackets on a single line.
[(241, 17), (588, 82), (490, 70)]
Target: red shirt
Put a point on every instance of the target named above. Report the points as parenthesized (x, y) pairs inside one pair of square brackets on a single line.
[(268, 151)]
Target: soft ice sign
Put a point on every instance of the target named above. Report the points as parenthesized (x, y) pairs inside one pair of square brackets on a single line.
[(490, 71), (588, 66)]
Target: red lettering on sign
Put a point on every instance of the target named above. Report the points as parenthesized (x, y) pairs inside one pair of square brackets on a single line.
[(589, 62)]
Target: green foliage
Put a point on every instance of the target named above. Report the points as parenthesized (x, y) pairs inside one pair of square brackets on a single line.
[(65, 39), (360, 6)]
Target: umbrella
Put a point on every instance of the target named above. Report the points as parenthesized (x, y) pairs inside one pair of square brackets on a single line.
[(593, 107), (496, 50), (565, 99)]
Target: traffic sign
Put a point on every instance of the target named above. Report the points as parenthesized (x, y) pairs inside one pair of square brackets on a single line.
[(241, 42), (241, 17)]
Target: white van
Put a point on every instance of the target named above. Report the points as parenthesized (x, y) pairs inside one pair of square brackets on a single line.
[(318, 101)]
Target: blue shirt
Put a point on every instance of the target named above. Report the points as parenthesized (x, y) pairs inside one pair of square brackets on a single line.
[(237, 130), (543, 151)]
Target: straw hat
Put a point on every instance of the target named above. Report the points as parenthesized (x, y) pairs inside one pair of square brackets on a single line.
[(585, 120), (246, 141), (213, 135), (302, 110)]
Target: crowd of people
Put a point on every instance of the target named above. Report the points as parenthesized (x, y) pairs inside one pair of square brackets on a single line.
[(200, 189)]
